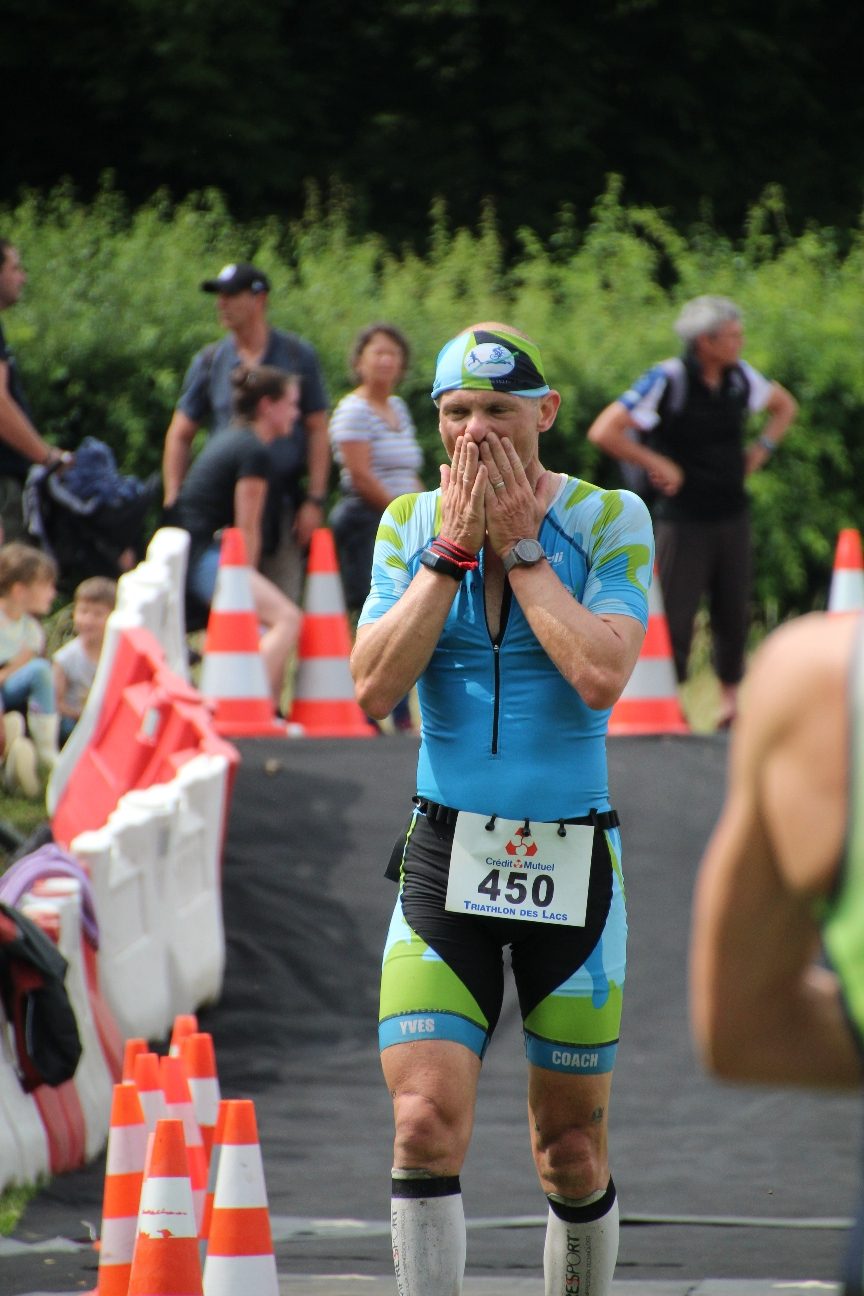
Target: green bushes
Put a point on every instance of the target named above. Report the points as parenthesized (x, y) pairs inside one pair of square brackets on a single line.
[(113, 313)]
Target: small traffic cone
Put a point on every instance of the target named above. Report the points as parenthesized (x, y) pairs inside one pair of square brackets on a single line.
[(131, 1049), (212, 1175), (240, 1246), (649, 703), (149, 1085), (165, 1262), (178, 1100), (232, 672), (124, 1172), (184, 1024), (847, 579), (324, 704), (199, 1060)]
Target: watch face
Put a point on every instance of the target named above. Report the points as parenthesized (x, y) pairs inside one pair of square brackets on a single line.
[(525, 553), (528, 551)]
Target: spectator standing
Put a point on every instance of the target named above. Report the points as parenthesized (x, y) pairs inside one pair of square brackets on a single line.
[(228, 485), (301, 462), (375, 445), (783, 876), (28, 585), (20, 443), (74, 665), (516, 599), (683, 423)]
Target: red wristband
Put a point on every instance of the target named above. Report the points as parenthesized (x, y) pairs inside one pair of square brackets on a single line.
[(449, 549)]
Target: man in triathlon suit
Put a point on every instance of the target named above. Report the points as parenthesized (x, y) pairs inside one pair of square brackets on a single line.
[(516, 600), (784, 868)]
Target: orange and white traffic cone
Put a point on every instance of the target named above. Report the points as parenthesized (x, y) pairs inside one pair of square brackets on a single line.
[(184, 1024), (149, 1085), (240, 1246), (124, 1173), (178, 1100), (324, 704), (212, 1175), (649, 703), (165, 1262), (847, 579), (131, 1049), (199, 1060), (233, 674)]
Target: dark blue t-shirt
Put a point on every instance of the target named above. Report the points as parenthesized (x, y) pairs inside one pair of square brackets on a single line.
[(206, 397)]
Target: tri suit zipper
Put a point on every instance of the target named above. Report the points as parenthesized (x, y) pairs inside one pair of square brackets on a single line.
[(496, 668), (496, 664)]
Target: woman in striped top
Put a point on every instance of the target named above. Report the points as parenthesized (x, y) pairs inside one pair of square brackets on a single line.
[(375, 445)]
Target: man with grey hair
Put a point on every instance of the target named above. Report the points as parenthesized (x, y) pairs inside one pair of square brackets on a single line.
[(705, 315), (681, 428), (515, 598)]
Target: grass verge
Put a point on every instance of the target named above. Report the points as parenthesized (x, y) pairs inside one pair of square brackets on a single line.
[(21, 815), (13, 1203)]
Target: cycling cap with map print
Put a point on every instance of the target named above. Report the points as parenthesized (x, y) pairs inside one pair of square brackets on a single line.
[(481, 360)]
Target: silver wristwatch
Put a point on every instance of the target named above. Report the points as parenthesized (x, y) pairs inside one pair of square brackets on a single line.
[(525, 553)]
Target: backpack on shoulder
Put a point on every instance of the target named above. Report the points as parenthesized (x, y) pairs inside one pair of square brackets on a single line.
[(37, 1007)]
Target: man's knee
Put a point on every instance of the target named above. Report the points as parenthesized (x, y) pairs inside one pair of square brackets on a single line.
[(572, 1159), (427, 1133)]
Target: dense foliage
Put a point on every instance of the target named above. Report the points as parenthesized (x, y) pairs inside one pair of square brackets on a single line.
[(700, 106), (113, 312)]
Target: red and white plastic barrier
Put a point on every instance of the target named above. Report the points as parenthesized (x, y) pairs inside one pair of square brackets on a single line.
[(149, 597), (149, 724), (140, 798), (24, 1154), (94, 1080), (55, 1129)]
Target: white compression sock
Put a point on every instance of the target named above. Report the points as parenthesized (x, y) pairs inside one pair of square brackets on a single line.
[(581, 1244), (427, 1225)]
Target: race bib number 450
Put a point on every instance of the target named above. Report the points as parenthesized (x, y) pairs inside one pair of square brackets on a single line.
[(507, 872)]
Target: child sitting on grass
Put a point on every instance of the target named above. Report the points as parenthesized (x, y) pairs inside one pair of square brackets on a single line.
[(27, 590), (75, 663)]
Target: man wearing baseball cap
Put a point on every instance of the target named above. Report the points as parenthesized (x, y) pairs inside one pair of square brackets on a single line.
[(516, 600), (301, 462)]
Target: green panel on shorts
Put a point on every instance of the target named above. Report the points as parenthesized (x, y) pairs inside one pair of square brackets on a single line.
[(414, 979), (573, 1019)]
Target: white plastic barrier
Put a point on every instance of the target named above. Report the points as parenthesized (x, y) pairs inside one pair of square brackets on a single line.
[(155, 868), (122, 859), (155, 591), (151, 595), (93, 1081), (193, 893)]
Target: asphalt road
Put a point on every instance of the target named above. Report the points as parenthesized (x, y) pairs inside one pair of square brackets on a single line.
[(722, 1189)]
